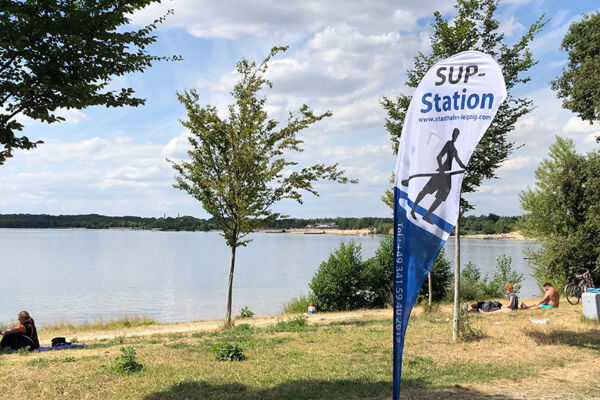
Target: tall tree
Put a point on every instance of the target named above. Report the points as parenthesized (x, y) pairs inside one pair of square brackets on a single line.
[(563, 214), (578, 84), (473, 28), (62, 54), (237, 167)]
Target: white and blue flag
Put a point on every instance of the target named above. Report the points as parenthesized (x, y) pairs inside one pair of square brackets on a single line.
[(450, 111)]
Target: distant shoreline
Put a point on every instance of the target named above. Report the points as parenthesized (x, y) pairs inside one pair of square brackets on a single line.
[(364, 232), (302, 231)]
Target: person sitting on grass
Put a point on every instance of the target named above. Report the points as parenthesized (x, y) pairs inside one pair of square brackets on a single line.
[(311, 309), (21, 336), (513, 299), (550, 299)]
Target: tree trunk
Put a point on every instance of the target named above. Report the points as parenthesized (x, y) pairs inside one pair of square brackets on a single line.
[(430, 289), (456, 279), (228, 322)]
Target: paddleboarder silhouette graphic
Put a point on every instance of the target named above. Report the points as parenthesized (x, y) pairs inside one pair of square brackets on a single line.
[(439, 182)]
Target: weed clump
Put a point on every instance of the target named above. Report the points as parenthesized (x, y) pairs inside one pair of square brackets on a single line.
[(245, 312), (38, 362), (24, 351), (126, 362), (297, 324), (228, 352), (466, 332)]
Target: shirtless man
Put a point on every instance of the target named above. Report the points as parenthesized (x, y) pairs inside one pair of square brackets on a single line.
[(550, 299)]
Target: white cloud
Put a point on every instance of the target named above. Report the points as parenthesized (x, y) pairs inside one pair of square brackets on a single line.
[(511, 26), (518, 163), (237, 18), (71, 116), (577, 125)]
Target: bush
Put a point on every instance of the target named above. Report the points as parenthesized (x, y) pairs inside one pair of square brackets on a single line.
[(297, 305), (228, 352), (126, 362), (245, 312), (475, 287), (378, 274), (504, 274), (338, 279), (441, 277)]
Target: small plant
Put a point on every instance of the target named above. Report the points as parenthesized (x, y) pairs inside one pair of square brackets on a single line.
[(245, 312), (228, 352), (126, 362), (24, 351), (466, 332), (430, 309), (69, 359)]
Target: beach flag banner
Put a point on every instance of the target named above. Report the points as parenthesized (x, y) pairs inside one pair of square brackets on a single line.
[(450, 111)]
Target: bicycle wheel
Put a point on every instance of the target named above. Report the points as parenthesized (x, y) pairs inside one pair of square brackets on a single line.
[(573, 293)]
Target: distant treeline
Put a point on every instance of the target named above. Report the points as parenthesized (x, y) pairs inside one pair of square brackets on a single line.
[(487, 224)]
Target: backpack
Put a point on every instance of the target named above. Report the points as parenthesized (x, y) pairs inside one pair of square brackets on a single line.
[(59, 341)]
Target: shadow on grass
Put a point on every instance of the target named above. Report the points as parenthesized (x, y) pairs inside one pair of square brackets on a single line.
[(584, 340), (306, 389)]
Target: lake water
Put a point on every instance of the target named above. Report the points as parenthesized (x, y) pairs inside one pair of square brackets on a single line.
[(83, 275)]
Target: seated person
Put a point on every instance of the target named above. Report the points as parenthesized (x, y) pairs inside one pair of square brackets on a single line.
[(513, 299), (21, 336), (311, 309), (550, 299)]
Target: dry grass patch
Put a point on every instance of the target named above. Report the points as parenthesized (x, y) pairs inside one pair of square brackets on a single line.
[(328, 358)]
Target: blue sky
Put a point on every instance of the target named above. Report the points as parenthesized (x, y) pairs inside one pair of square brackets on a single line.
[(344, 56)]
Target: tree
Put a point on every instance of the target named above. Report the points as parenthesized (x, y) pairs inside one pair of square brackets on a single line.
[(62, 54), (578, 84), (237, 168), (563, 214), (473, 28)]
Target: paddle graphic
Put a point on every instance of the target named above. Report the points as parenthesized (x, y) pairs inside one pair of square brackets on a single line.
[(404, 182)]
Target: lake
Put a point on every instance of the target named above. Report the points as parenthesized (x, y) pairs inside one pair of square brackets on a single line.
[(79, 275)]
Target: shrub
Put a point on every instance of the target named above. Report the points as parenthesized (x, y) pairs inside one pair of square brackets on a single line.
[(126, 362), (228, 352), (504, 274), (441, 277), (338, 279), (245, 312), (471, 283), (378, 274), (475, 287), (298, 304)]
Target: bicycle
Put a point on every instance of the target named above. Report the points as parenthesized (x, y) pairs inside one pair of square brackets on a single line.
[(574, 290)]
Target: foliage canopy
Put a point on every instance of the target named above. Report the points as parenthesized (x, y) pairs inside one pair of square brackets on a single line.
[(473, 28), (61, 55), (563, 214), (578, 84)]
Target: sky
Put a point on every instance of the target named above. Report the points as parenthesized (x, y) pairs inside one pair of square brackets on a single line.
[(344, 56)]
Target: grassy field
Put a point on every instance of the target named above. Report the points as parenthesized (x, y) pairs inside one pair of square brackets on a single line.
[(334, 356)]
